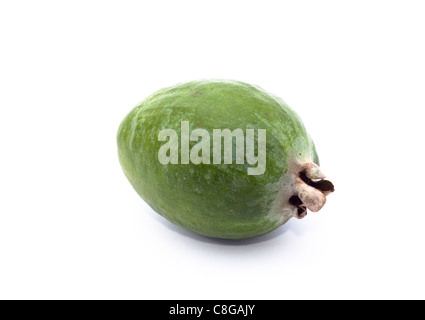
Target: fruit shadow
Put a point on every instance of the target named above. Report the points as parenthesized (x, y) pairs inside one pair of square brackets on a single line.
[(274, 235)]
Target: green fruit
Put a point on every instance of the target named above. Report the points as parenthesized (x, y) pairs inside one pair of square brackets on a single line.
[(195, 185)]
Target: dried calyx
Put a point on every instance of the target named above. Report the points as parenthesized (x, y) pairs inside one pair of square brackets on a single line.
[(310, 190)]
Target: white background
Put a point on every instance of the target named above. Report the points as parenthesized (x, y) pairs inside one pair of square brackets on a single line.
[(72, 227)]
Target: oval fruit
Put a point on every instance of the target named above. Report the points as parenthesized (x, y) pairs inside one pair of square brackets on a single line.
[(223, 159)]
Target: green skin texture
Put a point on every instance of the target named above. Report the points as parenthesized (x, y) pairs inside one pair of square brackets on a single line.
[(214, 200)]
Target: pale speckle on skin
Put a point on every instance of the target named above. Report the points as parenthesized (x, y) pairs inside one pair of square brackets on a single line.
[(134, 122)]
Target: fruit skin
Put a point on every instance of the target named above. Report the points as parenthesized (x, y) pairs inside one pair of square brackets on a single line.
[(215, 200)]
